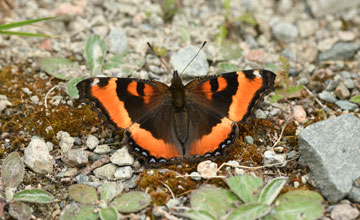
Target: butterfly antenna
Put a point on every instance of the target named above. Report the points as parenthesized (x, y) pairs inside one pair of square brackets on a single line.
[(203, 45), (161, 60)]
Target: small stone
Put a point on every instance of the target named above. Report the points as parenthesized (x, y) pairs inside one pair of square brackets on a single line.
[(37, 156), (66, 142), (102, 149), (198, 67), (106, 172), (249, 140), (122, 173), (307, 27), (343, 212), (289, 54), (332, 84), (117, 40), (207, 169), (279, 149), (82, 178), (4, 102), (70, 172), (92, 142), (270, 157), (340, 51), (50, 145), (195, 176), (250, 40), (172, 203), (346, 105), (260, 114), (346, 35), (122, 157), (328, 96), (239, 171), (345, 75), (76, 157), (34, 99), (342, 91), (285, 32), (77, 141), (296, 184), (299, 113), (303, 81), (349, 83), (27, 91), (275, 111)]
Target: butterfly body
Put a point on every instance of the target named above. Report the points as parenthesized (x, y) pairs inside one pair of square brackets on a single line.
[(171, 123)]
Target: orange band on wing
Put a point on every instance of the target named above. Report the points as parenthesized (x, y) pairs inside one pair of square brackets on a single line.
[(207, 89), (210, 142), (222, 84), (114, 106), (243, 96), (132, 88), (156, 147)]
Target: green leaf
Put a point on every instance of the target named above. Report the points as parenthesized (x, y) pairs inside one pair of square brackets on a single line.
[(115, 61), (109, 214), (83, 193), (231, 198), (226, 4), (19, 210), (250, 211), (71, 88), (294, 89), (221, 35), (57, 66), (24, 34), (13, 170), (132, 202), (355, 99), (199, 215), (246, 187), (272, 190), (285, 65), (75, 211), (248, 18), (298, 204), (34, 196), (227, 67), (159, 51), (22, 23), (110, 190), (210, 199), (95, 53), (276, 98)]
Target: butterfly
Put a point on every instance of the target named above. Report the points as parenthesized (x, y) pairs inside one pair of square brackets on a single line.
[(166, 124)]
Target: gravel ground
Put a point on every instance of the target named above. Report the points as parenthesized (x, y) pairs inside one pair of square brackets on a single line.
[(319, 39)]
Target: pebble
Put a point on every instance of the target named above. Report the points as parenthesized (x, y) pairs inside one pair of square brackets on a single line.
[(270, 157), (122, 173), (289, 54), (249, 140), (82, 178), (344, 212), (296, 184), (299, 113), (291, 155), (260, 114), (102, 149), (346, 105), (327, 96), (250, 40), (207, 169), (34, 99), (285, 32), (4, 102), (92, 142), (340, 51), (307, 28), (349, 83), (106, 172), (332, 84), (76, 157), (37, 156), (198, 67), (122, 157), (78, 141), (50, 145), (27, 91), (117, 40), (303, 81), (239, 171), (131, 183), (342, 91), (195, 176), (275, 111), (66, 142)]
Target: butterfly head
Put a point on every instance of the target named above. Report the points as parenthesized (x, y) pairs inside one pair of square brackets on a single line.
[(176, 81)]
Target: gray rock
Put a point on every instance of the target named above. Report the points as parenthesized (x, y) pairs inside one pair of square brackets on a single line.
[(131, 183), (117, 40), (66, 142), (37, 157), (320, 8), (342, 91), (102, 149), (354, 194), (82, 178), (331, 149), (307, 27), (249, 140), (270, 157), (345, 74), (344, 212), (292, 154), (349, 83), (275, 111), (289, 54), (76, 157), (199, 67), (303, 81), (122, 157), (122, 173), (4, 102), (327, 96), (332, 84), (250, 40), (346, 105), (106, 172), (285, 32), (195, 176), (92, 142), (340, 51), (260, 114)]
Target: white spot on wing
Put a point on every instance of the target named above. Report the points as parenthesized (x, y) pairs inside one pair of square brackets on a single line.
[(257, 73), (95, 81)]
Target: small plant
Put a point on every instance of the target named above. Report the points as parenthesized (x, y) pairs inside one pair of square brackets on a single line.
[(95, 54), (248, 199), (169, 9), (355, 99), (108, 208), (5, 27), (286, 89), (12, 174)]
